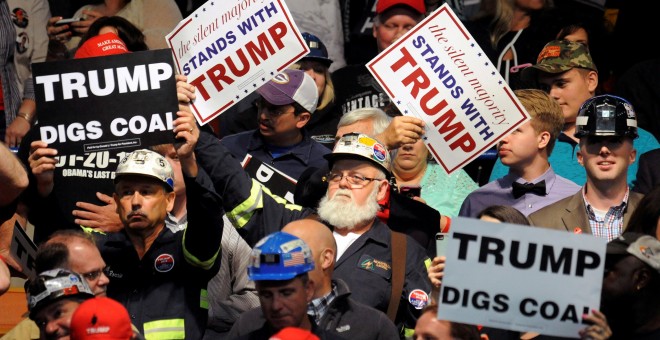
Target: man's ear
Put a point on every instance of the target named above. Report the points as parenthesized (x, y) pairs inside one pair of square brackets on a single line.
[(303, 119), (543, 139), (309, 290), (170, 196), (382, 190), (580, 157), (633, 156), (327, 258), (641, 278), (592, 80)]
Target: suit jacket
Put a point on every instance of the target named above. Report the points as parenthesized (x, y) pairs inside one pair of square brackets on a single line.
[(570, 213), (648, 174)]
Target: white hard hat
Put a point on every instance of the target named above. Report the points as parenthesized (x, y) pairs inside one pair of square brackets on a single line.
[(146, 163), (362, 147)]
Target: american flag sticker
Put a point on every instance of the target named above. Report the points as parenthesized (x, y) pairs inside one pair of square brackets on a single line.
[(293, 259)]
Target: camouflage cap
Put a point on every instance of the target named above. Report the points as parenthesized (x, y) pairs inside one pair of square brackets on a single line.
[(560, 56)]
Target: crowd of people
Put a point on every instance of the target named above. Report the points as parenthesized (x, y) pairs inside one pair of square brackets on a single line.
[(183, 243)]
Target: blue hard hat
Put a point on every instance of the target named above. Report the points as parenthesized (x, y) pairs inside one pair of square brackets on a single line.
[(279, 256), (317, 50)]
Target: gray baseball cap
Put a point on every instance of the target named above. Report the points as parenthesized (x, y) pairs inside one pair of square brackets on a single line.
[(642, 246)]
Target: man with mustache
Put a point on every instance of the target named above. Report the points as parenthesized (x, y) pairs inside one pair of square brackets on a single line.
[(285, 106), (359, 168), (606, 127), (161, 274)]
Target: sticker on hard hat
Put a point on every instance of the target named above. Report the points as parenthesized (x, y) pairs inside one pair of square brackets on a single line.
[(291, 245), (255, 257), (418, 298), (367, 141), (380, 153), (164, 263), (293, 259)]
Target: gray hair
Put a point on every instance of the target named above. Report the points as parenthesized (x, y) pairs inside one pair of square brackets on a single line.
[(380, 119)]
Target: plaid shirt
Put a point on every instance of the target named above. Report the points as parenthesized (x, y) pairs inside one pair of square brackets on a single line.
[(611, 226), (319, 306)]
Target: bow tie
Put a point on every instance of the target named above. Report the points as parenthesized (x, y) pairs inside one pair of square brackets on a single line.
[(520, 189)]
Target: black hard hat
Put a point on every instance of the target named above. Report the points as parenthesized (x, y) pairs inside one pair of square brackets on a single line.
[(606, 115)]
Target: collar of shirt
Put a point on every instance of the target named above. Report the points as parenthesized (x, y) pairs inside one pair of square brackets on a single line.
[(611, 226), (319, 306), (617, 208), (175, 225)]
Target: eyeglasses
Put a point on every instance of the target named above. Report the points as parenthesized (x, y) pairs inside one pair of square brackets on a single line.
[(94, 274), (273, 110), (355, 180)]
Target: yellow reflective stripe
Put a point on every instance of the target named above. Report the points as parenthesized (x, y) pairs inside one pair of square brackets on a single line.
[(427, 263), (89, 230), (193, 260), (241, 214), (408, 332), (165, 329), (204, 299), (281, 200)]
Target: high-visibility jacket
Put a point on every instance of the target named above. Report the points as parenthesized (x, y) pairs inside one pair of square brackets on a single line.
[(165, 291)]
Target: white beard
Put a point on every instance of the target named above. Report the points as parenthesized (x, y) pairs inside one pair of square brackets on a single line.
[(347, 215)]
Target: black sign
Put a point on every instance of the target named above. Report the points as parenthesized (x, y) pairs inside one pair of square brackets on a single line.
[(90, 105), (277, 182)]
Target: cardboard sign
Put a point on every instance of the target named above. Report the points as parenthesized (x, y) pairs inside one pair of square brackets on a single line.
[(438, 73), (23, 250), (521, 278), (228, 49), (276, 181), (119, 102)]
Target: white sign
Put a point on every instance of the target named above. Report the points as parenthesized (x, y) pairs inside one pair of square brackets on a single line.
[(228, 49), (521, 278), (438, 73)]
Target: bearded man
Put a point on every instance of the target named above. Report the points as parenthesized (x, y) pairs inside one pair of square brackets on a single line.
[(357, 180)]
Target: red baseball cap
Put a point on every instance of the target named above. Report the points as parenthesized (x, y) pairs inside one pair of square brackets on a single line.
[(101, 45), (294, 333), (417, 5), (101, 318)]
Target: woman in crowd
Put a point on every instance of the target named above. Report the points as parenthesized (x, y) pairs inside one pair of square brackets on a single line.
[(124, 29), (155, 18), (414, 167)]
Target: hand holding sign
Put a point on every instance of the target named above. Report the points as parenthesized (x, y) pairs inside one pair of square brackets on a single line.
[(42, 164), (101, 217), (185, 92), (599, 328), (187, 134), (402, 130)]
